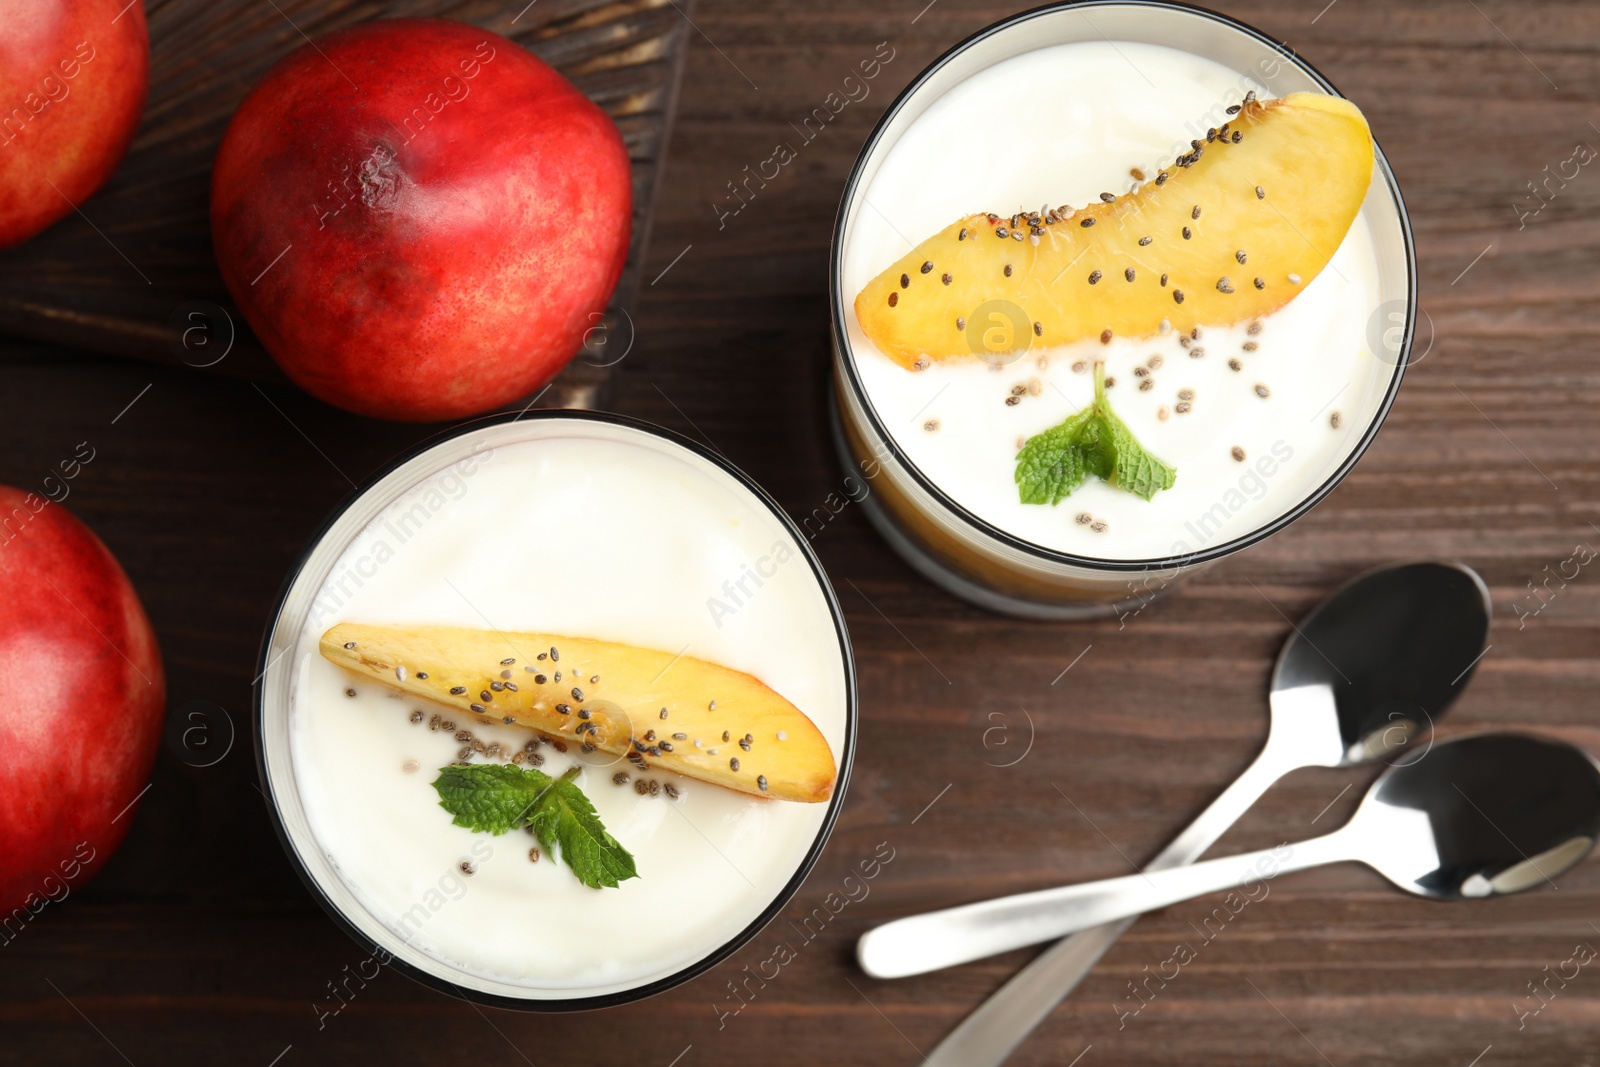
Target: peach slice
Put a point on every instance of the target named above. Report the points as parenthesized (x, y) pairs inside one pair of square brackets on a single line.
[(679, 713), (1233, 230)]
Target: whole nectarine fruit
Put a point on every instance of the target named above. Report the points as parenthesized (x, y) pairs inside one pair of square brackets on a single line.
[(82, 697), (420, 219), (73, 78)]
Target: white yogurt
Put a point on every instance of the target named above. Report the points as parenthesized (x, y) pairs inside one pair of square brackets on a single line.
[(598, 538), (1060, 125)]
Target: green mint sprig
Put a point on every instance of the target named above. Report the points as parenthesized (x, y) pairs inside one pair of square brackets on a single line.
[(496, 798), (1093, 441)]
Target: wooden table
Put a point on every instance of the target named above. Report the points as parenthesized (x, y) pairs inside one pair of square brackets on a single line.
[(198, 944)]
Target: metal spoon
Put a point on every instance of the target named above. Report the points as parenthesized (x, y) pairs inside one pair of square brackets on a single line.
[(1476, 816), (1406, 636)]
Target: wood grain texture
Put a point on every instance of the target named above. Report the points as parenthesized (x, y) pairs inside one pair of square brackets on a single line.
[(123, 275), (197, 944)]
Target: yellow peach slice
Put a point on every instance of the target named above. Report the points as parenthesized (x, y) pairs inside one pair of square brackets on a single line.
[(735, 731), (1233, 230)]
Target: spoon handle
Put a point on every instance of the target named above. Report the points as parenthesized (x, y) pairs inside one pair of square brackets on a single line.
[(944, 938), (988, 1036)]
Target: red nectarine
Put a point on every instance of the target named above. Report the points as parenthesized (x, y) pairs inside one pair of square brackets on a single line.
[(82, 698), (420, 219), (73, 78)]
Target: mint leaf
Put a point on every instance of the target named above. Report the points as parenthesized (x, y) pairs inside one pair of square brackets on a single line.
[(490, 797), (1092, 441), (1132, 468), (1136, 470), (498, 797), (1054, 463), (565, 819)]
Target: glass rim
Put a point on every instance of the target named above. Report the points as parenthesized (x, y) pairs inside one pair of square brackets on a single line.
[(534, 1002), (845, 354)]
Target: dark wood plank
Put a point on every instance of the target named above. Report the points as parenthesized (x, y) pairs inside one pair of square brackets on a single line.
[(197, 944)]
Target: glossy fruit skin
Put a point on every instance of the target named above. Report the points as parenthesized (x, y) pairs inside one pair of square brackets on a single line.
[(82, 698), (451, 216), (73, 79)]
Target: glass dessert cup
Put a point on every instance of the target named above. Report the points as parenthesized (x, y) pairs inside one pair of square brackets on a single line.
[(679, 504), (881, 417)]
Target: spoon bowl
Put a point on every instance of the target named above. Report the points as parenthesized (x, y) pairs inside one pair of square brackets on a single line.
[(1481, 815), (1371, 669)]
